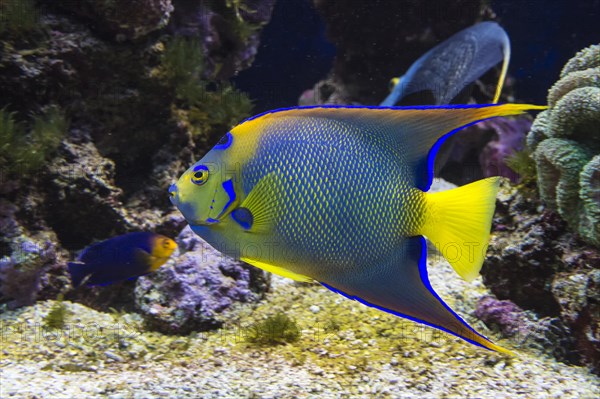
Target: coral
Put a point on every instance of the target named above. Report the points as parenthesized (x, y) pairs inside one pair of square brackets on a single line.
[(124, 19), (565, 141), (196, 288), (510, 134), (547, 334), (504, 314), (538, 264), (276, 329), (589, 183), (23, 152)]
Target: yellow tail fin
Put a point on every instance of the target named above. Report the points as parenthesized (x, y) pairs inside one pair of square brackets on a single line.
[(458, 223)]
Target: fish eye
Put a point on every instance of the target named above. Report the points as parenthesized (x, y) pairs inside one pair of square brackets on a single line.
[(200, 175)]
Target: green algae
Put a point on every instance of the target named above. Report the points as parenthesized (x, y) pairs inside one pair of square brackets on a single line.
[(521, 162), (242, 29), (55, 319), (25, 150), (183, 64), (207, 107), (274, 330), (18, 16)]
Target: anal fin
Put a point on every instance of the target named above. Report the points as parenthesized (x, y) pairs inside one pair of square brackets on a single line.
[(277, 270), (401, 287)]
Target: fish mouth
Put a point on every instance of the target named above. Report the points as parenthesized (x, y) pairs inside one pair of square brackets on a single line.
[(206, 222)]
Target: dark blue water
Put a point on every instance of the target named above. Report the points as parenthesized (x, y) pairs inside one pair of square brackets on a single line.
[(544, 36), (294, 54)]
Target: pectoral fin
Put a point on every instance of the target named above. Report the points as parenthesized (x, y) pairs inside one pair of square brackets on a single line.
[(259, 212), (401, 287)]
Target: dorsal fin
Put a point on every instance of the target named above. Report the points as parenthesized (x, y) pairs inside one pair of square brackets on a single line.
[(415, 132)]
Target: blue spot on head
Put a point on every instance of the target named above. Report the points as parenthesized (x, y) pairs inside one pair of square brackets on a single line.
[(228, 187), (225, 142)]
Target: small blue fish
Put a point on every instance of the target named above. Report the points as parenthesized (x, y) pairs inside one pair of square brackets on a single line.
[(121, 258), (452, 65)]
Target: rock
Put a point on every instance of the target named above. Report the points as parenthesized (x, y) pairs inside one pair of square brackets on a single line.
[(83, 202), (31, 262), (123, 19), (126, 143), (503, 314), (578, 294), (229, 32), (535, 262), (194, 290)]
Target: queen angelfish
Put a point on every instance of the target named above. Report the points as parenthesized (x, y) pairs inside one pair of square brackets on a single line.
[(339, 195), (445, 70)]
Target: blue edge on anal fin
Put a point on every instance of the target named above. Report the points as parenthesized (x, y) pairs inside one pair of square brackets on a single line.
[(425, 280)]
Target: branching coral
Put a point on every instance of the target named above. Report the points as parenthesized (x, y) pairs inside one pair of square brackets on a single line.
[(565, 141)]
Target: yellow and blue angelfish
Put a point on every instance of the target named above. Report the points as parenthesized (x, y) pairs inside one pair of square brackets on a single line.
[(338, 194), (448, 68), (120, 258)]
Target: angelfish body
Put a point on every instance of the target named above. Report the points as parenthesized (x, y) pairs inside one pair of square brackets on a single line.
[(339, 195)]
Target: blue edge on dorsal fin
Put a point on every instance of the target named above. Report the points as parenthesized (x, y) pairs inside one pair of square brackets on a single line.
[(425, 280)]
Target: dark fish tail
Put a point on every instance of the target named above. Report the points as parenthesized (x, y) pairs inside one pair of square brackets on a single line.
[(78, 272)]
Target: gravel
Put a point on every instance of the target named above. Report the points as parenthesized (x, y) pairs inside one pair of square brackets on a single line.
[(345, 350)]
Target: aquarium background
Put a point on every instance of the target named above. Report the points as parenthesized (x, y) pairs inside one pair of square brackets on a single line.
[(543, 35), (105, 103)]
